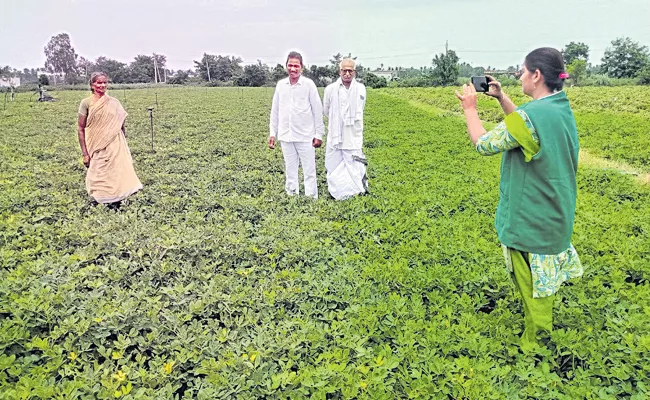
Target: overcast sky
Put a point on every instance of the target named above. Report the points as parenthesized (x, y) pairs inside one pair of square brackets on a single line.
[(405, 33)]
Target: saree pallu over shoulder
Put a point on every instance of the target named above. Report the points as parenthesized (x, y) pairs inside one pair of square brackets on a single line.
[(104, 123)]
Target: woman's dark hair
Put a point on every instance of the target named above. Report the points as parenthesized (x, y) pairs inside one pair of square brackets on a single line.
[(294, 54), (93, 78), (550, 64)]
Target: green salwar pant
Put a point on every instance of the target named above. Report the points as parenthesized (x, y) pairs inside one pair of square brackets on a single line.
[(538, 312)]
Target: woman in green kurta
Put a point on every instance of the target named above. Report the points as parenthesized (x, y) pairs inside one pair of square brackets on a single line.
[(535, 215)]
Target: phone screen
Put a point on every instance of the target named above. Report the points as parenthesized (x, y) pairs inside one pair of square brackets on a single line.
[(481, 83)]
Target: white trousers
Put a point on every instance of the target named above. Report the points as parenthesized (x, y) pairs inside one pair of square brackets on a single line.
[(304, 154)]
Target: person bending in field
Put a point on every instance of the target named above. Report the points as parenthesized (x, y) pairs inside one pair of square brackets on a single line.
[(297, 122), (536, 211), (343, 105), (110, 177)]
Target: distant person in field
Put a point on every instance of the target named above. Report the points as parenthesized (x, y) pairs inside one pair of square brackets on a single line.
[(343, 105), (110, 177), (536, 211), (297, 123)]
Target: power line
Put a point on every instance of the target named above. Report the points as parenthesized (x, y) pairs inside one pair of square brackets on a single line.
[(388, 56)]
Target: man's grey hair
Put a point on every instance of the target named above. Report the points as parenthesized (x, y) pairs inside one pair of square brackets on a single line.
[(354, 63)]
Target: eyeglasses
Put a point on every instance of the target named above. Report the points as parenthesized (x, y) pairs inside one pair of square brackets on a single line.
[(347, 71)]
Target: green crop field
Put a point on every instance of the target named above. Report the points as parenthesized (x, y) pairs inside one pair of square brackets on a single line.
[(212, 283)]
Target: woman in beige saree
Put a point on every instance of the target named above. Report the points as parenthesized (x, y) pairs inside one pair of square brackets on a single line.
[(110, 177)]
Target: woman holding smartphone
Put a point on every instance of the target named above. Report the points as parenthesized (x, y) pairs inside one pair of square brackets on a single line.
[(536, 211)]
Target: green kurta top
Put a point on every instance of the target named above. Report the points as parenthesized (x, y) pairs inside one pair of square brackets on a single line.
[(548, 271)]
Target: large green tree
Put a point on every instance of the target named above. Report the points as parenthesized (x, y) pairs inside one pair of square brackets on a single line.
[(254, 75), (467, 70), (321, 75), (577, 70), (60, 57), (117, 71), (218, 68), (180, 77), (373, 81), (575, 51), (625, 58), (5, 71), (277, 73), (445, 68), (141, 69)]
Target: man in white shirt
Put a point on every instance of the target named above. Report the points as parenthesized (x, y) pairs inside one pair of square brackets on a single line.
[(297, 122), (343, 104)]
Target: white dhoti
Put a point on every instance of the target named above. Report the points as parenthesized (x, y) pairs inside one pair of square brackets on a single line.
[(346, 173)]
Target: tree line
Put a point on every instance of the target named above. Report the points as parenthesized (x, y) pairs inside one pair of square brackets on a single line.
[(624, 58)]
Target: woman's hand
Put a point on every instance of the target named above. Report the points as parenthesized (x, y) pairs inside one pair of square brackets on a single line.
[(469, 102), (494, 88), (468, 99)]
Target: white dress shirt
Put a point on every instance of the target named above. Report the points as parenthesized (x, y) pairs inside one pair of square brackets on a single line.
[(352, 135), (296, 112)]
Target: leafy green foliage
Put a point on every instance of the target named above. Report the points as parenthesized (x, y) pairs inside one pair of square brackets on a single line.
[(467, 70), (277, 73), (180, 78), (141, 69), (218, 67), (117, 71), (625, 58), (212, 283), (321, 75), (43, 79), (575, 51), (644, 75), (254, 75), (445, 68), (60, 56), (373, 81), (577, 71)]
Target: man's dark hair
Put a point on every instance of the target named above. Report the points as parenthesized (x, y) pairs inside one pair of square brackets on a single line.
[(294, 54)]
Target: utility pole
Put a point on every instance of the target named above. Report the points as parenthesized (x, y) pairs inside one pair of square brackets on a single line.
[(207, 66), (155, 69), (151, 119)]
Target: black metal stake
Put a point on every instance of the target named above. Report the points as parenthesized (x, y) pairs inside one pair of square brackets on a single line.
[(156, 100), (151, 121)]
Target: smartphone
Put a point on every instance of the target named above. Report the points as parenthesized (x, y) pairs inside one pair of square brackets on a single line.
[(481, 83)]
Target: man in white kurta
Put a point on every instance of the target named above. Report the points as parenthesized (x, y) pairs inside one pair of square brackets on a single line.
[(297, 122), (343, 104)]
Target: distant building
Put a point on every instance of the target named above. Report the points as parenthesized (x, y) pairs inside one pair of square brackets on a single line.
[(55, 78), (502, 72), (388, 75), (8, 81)]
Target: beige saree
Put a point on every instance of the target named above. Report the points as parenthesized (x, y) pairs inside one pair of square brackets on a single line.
[(110, 177)]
